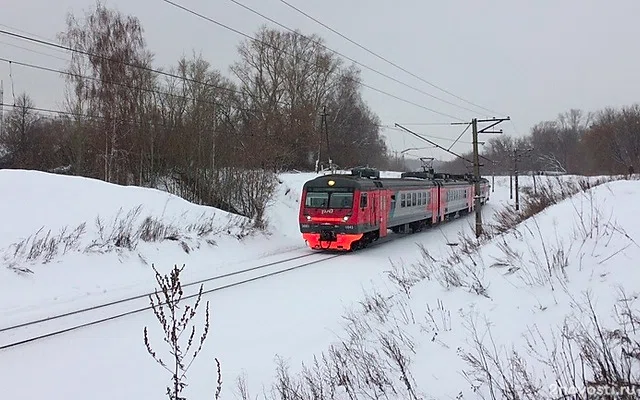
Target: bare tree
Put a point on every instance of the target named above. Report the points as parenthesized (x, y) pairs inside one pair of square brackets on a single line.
[(108, 83)]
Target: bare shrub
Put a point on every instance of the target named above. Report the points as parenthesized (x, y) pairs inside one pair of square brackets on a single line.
[(502, 373), (376, 304), (545, 195), (584, 358), (43, 247), (438, 319), (124, 232), (458, 270), (403, 277), (373, 360), (166, 303), (120, 234), (154, 230), (239, 191)]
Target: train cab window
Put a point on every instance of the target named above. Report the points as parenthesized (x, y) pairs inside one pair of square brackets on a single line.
[(317, 200), (363, 200), (341, 200)]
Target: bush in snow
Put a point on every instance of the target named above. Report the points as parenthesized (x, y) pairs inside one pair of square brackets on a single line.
[(174, 319), (586, 359), (123, 233), (245, 192)]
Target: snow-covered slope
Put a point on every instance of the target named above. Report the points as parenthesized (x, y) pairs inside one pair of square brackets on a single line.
[(64, 239), (397, 300)]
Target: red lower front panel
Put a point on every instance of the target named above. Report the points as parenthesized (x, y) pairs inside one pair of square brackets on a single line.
[(342, 242)]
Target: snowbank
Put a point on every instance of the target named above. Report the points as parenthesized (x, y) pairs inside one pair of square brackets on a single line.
[(520, 313), (64, 238)]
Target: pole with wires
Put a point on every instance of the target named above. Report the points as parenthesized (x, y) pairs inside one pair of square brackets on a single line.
[(476, 178)]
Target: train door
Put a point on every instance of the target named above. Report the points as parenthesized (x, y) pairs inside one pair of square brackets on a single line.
[(383, 213), (373, 216), (443, 203), (368, 209), (434, 203)]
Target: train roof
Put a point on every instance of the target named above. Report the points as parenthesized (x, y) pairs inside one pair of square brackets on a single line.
[(366, 179)]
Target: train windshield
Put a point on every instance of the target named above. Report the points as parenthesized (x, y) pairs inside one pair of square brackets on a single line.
[(329, 199)]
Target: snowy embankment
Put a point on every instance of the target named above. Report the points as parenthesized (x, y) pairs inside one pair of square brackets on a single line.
[(411, 323), (548, 306), (68, 242)]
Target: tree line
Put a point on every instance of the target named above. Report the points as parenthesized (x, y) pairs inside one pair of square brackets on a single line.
[(190, 127), (603, 142)]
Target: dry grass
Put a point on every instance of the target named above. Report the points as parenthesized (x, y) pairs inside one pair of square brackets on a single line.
[(124, 232)]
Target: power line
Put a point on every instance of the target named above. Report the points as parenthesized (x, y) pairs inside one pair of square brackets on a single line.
[(70, 114), (34, 66), (392, 128), (90, 117), (142, 67), (148, 69), (433, 143), (347, 57), (385, 59), (199, 15), (30, 33), (426, 123), (33, 51)]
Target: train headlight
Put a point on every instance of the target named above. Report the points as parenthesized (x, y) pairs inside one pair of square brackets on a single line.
[(345, 218), (308, 217)]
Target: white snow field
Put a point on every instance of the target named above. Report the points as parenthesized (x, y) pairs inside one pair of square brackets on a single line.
[(527, 283)]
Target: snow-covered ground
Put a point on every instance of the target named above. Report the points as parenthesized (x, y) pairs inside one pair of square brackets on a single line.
[(588, 241)]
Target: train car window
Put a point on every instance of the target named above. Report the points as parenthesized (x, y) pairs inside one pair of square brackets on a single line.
[(363, 200), (341, 200), (402, 200), (413, 199), (316, 200)]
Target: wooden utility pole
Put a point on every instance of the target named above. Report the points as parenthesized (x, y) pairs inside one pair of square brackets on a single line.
[(323, 129), (517, 153), (476, 178), (511, 183)]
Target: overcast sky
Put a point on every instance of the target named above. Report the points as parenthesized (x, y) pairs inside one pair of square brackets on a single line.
[(527, 59)]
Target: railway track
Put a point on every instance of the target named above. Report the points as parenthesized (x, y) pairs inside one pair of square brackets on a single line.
[(59, 324)]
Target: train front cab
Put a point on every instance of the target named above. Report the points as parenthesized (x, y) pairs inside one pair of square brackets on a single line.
[(327, 215), (336, 214)]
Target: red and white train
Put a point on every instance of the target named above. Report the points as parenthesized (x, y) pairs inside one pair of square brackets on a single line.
[(348, 212)]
